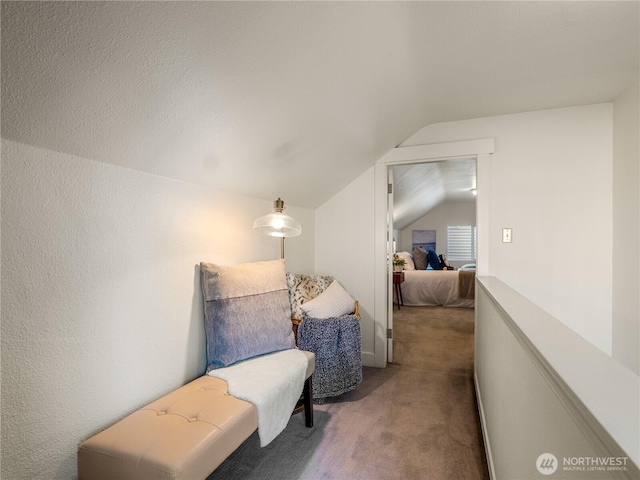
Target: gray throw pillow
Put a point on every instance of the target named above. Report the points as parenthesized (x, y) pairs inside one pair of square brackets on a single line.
[(246, 311), (420, 258)]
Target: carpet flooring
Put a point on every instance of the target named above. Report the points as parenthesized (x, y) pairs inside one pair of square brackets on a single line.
[(415, 419)]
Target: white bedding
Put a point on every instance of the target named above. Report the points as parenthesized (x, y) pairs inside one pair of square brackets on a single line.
[(433, 287)]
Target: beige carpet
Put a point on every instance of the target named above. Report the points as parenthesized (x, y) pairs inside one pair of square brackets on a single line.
[(415, 419)]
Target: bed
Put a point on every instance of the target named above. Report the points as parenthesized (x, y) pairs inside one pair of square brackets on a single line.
[(449, 288)]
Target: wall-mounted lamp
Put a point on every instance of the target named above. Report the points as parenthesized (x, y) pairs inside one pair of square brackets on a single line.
[(278, 224)]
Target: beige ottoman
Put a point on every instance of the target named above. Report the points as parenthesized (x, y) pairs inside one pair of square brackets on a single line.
[(183, 435)]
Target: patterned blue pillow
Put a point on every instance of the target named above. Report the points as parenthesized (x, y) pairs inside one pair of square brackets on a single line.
[(246, 311)]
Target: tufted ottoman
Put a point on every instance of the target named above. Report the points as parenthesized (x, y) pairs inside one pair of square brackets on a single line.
[(184, 435)]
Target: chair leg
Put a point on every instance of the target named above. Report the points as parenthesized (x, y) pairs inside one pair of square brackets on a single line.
[(308, 402)]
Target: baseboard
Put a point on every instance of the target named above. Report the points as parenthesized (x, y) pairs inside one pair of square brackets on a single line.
[(368, 359), (483, 425)]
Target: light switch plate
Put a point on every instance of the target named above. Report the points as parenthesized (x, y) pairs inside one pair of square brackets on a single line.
[(506, 235)]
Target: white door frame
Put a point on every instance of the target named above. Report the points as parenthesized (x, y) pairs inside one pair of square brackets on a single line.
[(390, 252), (383, 270)]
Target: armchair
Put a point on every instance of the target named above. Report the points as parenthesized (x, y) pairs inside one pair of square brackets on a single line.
[(326, 321)]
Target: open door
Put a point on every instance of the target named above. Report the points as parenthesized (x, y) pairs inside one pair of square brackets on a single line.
[(390, 253)]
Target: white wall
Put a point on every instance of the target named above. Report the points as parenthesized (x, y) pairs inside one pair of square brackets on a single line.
[(626, 228), (344, 249), (551, 182), (445, 214), (101, 302)]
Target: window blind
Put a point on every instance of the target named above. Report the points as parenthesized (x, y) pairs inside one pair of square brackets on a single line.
[(461, 242)]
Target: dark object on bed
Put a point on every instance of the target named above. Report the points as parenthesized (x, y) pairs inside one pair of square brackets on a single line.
[(443, 262), (433, 261), (466, 283)]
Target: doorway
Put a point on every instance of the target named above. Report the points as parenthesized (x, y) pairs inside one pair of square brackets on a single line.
[(427, 198), (480, 150)]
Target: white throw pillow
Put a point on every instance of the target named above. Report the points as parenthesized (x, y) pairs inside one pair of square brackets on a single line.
[(333, 302), (408, 260)]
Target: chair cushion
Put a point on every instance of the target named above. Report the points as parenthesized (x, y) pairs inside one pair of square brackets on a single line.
[(333, 302), (247, 311)]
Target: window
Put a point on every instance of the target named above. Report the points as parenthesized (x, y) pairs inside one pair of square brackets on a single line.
[(425, 239), (462, 243)]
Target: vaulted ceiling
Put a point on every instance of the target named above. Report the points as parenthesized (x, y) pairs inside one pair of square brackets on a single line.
[(419, 188), (292, 99)]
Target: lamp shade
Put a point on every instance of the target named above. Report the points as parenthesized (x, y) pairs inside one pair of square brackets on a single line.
[(277, 223)]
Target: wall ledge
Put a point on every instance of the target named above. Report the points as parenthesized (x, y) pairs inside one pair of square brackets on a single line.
[(601, 394)]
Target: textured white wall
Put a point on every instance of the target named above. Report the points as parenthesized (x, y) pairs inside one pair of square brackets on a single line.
[(449, 213), (551, 182), (344, 249), (101, 302), (626, 228)]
